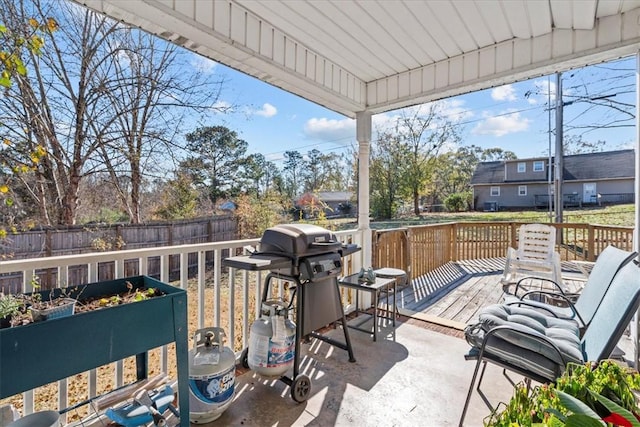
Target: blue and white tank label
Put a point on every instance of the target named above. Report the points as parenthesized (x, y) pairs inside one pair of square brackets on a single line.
[(216, 388)]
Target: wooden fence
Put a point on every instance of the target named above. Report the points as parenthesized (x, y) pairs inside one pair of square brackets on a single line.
[(97, 238), (420, 249)]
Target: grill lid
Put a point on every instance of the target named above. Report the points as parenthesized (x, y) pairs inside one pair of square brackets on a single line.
[(298, 240)]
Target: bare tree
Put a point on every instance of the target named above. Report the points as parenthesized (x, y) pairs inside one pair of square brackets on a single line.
[(423, 131), (150, 96), (103, 98), (50, 110)]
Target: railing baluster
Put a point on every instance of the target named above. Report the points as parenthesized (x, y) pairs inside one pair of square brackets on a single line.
[(202, 270)]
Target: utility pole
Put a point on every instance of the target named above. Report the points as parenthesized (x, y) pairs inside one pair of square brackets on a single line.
[(559, 156)]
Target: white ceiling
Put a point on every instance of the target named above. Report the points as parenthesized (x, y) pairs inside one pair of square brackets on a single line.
[(378, 55)]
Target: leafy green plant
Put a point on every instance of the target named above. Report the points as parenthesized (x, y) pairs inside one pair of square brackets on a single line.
[(10, 305), (590, 394)]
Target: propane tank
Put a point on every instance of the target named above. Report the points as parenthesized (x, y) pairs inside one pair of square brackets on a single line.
[(212, 376), (272, 341)]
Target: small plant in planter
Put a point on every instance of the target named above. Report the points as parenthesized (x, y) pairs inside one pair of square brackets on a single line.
[(590, 394), (10, 307)]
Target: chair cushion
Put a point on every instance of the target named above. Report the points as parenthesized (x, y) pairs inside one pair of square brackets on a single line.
[(564, 334), (564, 313)]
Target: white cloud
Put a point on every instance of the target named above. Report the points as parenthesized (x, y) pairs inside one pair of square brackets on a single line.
[(330, 129), (267, 110), (502, 125), (504, 93)]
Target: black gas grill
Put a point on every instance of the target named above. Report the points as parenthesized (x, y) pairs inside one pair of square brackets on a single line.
[(311, 258), (313, 251)]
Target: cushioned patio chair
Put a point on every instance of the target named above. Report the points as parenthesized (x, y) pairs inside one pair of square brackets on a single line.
[(582, 309), (539, 347), (535, 256)]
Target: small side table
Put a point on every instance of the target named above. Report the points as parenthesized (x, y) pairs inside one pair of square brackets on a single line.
[(381, 284)]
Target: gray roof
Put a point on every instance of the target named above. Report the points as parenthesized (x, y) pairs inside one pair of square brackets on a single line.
[(488, 173), (335, 196), (577, 167)]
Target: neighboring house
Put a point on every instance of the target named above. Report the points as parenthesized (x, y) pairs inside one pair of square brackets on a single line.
[(593, 178), (334, 203)]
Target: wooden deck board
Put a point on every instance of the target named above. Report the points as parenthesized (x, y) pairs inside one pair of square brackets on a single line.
[(453, 294)]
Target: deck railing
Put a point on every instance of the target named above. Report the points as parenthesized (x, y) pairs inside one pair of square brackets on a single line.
[(421, 249), (224, 297), (231, 298)]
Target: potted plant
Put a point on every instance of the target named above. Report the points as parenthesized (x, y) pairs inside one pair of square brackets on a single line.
[(595, 394)]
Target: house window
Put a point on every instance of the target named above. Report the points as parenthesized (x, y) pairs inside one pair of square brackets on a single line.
[(522, 190), (538, 166), (495, 191), (522, 167)]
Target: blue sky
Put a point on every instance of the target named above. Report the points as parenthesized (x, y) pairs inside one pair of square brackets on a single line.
[(513, 117)]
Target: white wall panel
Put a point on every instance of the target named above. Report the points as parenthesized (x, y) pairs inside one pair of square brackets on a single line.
[(471, 67), (609, 30), (343, 87), (541, 48), (404, 85), (442, 74), (301, 59), (204, 13), (584, 40), (320, 70), (238, 25), (186, 8), (381, 91), (487, 62), (372, 94), (631, 25), (266, 40), (222, 17), (278, 47), (428, 78), (310, 65), (252, 33), (289, 53), (521, 53), (455, 70), (504, 57), (415, 81), (392, 88), (328, 74), (562, 43)]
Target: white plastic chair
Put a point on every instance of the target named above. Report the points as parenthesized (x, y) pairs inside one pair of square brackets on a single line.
[(536, 255)]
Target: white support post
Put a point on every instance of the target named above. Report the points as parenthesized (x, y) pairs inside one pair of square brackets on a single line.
[(363, 135)]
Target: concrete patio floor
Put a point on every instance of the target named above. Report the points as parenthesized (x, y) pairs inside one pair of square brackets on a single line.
[(412, 376)]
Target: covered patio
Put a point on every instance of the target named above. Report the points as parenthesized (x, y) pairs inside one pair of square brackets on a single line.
[(360, 58)]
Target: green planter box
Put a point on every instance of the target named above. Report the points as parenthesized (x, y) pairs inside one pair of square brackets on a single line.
[(39, 353)]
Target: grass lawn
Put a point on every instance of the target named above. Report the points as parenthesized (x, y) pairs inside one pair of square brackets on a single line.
[(621, 215)]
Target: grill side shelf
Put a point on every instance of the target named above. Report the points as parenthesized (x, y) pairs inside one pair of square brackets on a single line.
[(256, 262)]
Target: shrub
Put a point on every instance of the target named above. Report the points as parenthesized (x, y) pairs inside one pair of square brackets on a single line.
[(457, 202)]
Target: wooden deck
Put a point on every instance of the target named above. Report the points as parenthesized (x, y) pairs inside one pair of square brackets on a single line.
[(453, 294)]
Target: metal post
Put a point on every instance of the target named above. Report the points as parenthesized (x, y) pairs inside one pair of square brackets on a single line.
[(559, 156)]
